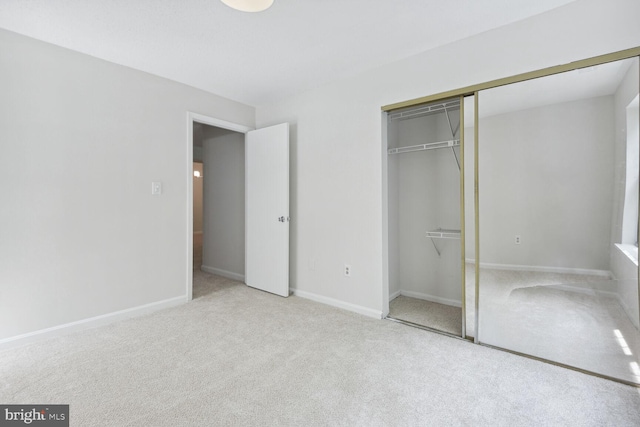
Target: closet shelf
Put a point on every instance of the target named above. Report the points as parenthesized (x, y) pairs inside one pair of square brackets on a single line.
[(441, 233), (430, 146), (424, 110)]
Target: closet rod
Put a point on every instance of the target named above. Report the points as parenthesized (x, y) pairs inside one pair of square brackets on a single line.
[(430, 146)]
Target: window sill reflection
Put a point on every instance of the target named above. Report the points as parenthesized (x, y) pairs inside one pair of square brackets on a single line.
[(631, 251)]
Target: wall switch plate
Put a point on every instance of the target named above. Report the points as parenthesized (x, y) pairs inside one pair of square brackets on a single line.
[(156, 188), (347, 270)]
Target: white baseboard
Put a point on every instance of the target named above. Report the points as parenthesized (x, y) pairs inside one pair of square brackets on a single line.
[(432, 298), (586, 290), (224, 273), (542, 269), (337, 303), (394, 296), (89, 323)]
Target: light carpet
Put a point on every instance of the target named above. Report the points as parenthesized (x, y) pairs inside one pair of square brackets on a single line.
[(237, 356), (559, 317), (442, 317), (587, 331)]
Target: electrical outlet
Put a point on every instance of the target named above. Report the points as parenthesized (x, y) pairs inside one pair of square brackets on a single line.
[(517, 240), (347, 270), (156, 188)]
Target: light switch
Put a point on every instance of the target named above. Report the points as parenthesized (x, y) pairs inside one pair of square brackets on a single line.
[(156, 188)]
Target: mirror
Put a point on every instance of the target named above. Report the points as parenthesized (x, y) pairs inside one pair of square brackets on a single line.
[(558, 215)]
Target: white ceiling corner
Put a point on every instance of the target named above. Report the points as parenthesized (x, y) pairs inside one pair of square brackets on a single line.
[(259, 58)]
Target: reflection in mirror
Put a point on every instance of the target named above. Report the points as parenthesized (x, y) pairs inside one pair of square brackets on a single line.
[(469, 216), (424, 164), (558, 186)]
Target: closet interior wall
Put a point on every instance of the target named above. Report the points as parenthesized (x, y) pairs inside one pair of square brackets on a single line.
[(424, 195)]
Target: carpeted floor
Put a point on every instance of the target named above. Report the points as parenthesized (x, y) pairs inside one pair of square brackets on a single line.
[(559, 317), (587, 331), (555, 316), (442, 317), (238, 356)]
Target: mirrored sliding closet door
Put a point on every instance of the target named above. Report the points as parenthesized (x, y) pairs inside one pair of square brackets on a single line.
[(558, 218)]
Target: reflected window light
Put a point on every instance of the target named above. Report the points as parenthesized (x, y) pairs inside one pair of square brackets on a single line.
[(623, 343), (635, 369)]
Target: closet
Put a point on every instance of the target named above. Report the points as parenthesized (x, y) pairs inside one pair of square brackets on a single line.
[(510, 214), (424, 215)]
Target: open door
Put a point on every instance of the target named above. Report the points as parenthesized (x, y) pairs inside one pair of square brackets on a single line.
[(267, 209)]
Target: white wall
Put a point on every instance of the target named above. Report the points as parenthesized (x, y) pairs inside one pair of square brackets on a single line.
[(632, 166), (625, 272), (393, 193), (469, 195), (224, 197), (469, 180), (197, 198), (81, 140), (623, 266), (428, 198), (626, 92), (546, 174), (336, 158)]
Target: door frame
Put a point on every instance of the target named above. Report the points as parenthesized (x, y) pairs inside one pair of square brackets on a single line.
[(209, 121)]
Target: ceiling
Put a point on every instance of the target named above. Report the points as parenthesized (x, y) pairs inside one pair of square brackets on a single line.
[(590, 82), (259, 58)]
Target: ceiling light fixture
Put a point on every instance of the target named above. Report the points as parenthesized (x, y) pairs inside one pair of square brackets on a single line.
[(249, 5)]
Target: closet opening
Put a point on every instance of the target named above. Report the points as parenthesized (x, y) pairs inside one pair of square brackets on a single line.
[(425, 159)]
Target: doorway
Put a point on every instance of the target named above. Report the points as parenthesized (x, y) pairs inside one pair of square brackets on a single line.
[(216, 223), (198, 210), (245, 203), (218, 204)]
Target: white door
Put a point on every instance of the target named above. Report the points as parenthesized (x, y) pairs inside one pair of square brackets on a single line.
[(267, 209)]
